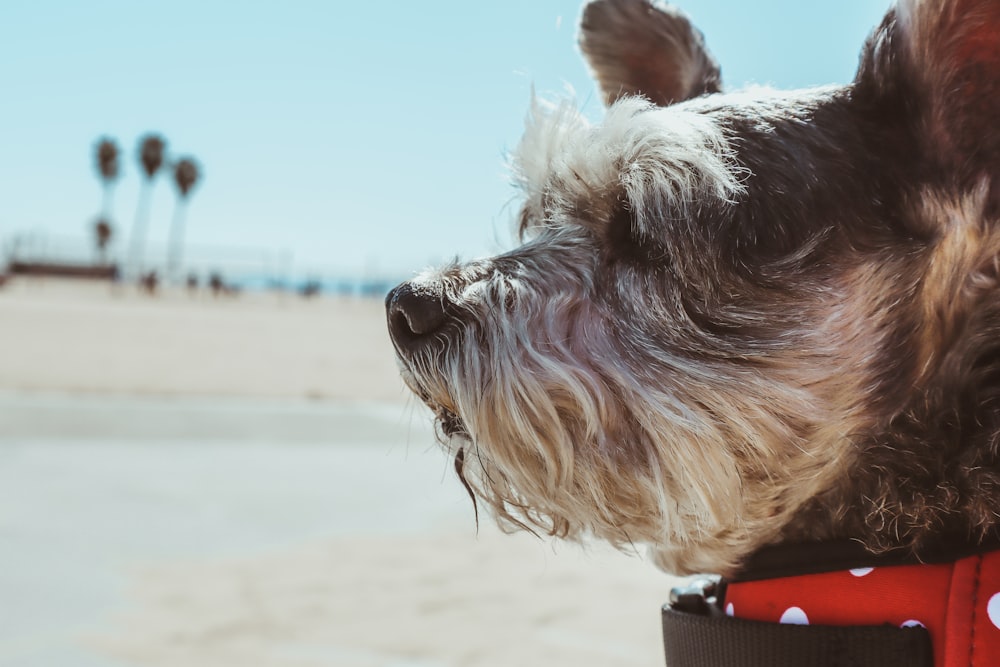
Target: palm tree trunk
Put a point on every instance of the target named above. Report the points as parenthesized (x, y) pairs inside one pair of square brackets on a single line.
[(106, 201), (175, 247), (137, 242)]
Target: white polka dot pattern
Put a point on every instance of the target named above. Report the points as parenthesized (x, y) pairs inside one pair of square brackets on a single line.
[(794, 616), (993, 609)]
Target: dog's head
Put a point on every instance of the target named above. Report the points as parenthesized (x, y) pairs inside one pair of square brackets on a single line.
[(739, 318)]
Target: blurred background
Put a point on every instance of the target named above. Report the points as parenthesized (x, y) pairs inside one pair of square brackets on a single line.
[(206, 455)]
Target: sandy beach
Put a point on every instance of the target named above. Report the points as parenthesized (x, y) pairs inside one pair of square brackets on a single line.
[(242, 482)]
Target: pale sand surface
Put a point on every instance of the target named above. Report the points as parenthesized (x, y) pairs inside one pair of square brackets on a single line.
[(61, 336), (184, 502)]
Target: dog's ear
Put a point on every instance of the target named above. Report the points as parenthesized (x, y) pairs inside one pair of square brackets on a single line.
[(647, 48), (940, 59)]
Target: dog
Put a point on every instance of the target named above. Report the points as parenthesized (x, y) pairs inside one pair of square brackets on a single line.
[(737, 320)]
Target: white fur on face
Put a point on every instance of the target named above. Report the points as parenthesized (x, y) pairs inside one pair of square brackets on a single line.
[(665, 161)]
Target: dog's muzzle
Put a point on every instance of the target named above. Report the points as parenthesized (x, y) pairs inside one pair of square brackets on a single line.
[(414, 315)]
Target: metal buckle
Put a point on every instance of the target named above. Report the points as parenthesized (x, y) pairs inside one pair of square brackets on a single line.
[(699, 596)]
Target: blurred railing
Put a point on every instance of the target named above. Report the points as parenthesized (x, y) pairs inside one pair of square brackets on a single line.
[(241, 267)]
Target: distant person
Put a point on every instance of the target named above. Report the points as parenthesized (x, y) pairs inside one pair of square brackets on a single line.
[(149, 283)]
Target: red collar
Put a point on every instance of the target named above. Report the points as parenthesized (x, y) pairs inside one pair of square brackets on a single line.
[(958, 603)]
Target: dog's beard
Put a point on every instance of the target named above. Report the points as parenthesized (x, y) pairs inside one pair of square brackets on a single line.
[(573, 418), (561, 424)]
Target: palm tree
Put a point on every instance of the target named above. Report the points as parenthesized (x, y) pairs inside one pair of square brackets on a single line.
[(186, 176), (151, 150), (107, 167)]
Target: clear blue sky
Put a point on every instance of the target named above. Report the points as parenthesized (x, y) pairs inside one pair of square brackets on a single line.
[(357, 135)]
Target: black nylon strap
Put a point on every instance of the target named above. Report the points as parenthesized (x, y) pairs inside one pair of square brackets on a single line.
[(693, 640)]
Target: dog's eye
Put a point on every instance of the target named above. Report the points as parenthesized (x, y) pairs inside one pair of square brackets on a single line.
[(623, 238)]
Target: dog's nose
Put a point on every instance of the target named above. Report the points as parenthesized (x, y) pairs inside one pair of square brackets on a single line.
[(413, 314)]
